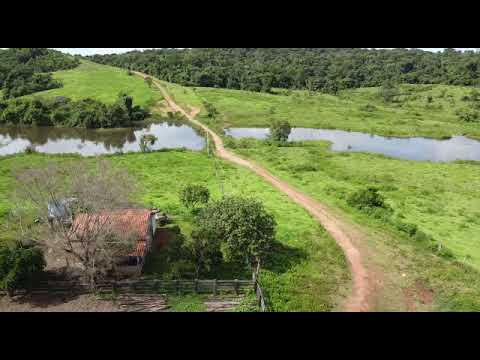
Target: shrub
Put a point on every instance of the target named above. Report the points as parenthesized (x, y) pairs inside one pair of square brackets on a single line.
[(368, 108), (388, 91), (468, 115), (20, 266), (367, 199), (192, 195), (409, 229)]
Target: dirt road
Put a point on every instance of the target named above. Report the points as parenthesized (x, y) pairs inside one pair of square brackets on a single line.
[(364, 285)]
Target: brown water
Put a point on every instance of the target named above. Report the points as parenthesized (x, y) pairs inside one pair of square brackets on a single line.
[(50, 140)]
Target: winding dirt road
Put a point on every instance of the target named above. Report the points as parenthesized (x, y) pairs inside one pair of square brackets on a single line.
[(361, 298)]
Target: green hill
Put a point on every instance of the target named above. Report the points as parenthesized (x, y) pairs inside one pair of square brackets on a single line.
[(103, 83)]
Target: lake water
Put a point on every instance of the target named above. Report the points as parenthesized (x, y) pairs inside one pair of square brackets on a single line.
[(50, 140), (415, 148)]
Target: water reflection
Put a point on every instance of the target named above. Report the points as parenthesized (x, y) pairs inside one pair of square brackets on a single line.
[(170, 134), (415, 148)]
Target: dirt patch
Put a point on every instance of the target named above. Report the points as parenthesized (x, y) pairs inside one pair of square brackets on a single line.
[(425, 295), (56, 303), (418, 293), (409, 299)]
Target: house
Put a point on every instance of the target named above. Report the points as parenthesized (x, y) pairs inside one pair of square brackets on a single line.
[(139, 223)]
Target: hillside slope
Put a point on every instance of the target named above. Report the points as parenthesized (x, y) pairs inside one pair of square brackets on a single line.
[(420, 110), (102, 83)]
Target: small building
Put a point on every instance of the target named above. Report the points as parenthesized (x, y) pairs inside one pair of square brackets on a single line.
[(139, 223)]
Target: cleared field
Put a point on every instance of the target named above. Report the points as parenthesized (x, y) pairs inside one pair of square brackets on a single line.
[(421, 110), (102, 83), (443, 200)]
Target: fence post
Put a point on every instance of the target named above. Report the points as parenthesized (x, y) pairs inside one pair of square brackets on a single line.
[(196, 286), (236, 287), (215, 287)]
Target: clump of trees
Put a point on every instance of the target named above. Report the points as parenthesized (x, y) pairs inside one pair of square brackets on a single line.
[(315, 69), (27, 70), (193, 195), (280, 130), (20, 266), (234, 230), (62, 111)]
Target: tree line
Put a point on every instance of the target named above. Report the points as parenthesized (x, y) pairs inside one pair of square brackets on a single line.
[(62, 111), (25, 71), (316, 69)]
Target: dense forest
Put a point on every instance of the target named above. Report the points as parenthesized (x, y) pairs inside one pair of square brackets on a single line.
[(25, 71), (316, 69), (61, 111)]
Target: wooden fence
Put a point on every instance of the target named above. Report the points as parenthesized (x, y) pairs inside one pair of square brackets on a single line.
[(149, 286), (146, 286)]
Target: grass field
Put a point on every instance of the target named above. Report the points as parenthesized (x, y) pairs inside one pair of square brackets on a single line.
[(442, 199), (103, 83), (307, 272), (410, 115)]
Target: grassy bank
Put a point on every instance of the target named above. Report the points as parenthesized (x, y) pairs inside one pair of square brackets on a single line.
[(102, 83), (443, 200), (420, 110), (307, 272)]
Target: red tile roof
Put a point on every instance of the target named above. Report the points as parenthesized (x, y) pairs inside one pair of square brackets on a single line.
[(141, 249), (124, 222)]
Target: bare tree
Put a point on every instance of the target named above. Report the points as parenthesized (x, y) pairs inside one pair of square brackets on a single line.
[(78, 211)]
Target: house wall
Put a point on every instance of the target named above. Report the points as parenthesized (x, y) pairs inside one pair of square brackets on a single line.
[(152, 231)]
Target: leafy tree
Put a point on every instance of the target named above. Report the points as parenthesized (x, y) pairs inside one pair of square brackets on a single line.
[(20, 266), (192, 195), (146, 141), (204, 251), (245, 228), (280, 130)]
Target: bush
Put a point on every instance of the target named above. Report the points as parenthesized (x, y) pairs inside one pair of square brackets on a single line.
[(20, 267), (367, 199), (468, 115), (192, 195), (388, 91), (368, 108)]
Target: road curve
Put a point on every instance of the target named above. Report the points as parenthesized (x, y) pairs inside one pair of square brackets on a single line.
[(360, 299)]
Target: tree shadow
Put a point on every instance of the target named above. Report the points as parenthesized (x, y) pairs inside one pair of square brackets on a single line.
[(45, 300), (283, 258)]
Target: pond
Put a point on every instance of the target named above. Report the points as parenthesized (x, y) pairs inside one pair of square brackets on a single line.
[(50, 140), (414, 148)]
